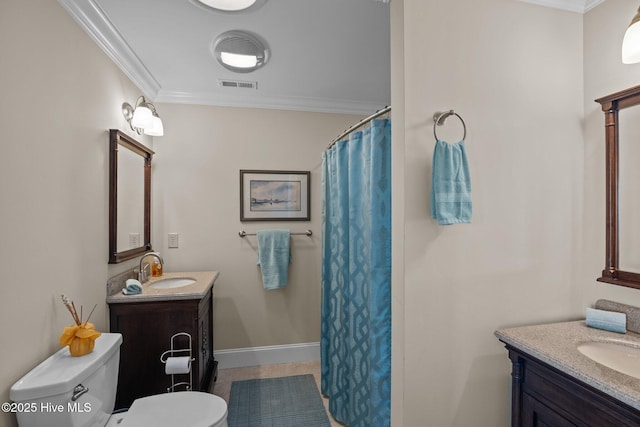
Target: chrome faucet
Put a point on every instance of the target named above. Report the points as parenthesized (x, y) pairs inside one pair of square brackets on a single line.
[(143, 271)]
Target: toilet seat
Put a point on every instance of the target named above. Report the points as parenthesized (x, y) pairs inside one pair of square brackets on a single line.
[(182, 408)]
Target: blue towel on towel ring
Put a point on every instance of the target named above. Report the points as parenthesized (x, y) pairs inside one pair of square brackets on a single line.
[(450, 184), (274, 257)]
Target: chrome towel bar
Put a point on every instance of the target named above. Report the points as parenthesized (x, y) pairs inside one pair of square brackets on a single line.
[(243, 233)]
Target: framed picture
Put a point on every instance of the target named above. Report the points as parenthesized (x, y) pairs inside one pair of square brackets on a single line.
[(275, 195)]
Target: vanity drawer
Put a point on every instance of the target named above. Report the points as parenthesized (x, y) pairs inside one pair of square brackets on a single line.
[(536, 414)]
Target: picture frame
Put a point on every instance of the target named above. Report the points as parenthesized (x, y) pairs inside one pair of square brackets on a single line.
[(269, 195)]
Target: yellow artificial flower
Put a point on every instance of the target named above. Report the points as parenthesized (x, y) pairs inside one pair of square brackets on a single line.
[(80, 338)]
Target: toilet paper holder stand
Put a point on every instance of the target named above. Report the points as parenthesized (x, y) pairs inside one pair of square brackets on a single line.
[(177, 352)]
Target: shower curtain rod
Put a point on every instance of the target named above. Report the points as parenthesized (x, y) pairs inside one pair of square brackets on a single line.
[(359, 124)]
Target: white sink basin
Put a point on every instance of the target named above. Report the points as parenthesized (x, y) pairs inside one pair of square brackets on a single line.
[(173, 282), (617, 356)]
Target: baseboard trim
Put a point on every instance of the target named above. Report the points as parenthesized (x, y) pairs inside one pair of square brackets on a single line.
[(268, 355)]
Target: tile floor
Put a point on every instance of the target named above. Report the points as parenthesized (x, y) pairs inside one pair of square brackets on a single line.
[(222, 387)]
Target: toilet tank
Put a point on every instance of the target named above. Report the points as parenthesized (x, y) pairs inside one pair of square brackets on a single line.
[(44, 397)]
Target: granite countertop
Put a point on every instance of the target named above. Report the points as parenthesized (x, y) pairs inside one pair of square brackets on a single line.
[(204, 281), (556, 344)]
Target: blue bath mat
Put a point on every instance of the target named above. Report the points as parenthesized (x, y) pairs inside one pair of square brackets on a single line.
[(277, 402)]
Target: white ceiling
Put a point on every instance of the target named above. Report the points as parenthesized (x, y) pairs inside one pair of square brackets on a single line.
[(326, 55)]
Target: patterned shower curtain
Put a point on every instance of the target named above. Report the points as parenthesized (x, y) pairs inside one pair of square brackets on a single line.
[(356, 277)]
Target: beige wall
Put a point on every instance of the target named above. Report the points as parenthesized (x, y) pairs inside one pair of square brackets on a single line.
[(397, 214), (196, 194), (60, 94), (514, 72)]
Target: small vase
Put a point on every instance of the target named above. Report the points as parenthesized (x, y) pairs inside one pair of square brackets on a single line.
[(80, 338)]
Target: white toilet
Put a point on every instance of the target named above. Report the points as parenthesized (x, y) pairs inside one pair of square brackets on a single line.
[(66, 391)]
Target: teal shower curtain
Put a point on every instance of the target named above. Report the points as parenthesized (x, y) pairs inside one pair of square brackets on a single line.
[(356, 277)]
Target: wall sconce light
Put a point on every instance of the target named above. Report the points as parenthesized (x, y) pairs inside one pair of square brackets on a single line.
[(143, 117), (631, 42)]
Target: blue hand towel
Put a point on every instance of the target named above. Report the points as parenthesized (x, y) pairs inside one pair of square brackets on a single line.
[(274, 257), (133, 287), (607, 320), (450, 184)]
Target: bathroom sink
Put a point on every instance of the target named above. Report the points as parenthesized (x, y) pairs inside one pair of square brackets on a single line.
[(617, 356), (173, 282)]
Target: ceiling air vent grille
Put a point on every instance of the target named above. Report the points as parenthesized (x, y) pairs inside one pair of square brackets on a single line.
[(238, 84)]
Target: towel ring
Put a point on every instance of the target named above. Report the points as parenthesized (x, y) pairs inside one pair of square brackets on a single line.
[(440, 117)]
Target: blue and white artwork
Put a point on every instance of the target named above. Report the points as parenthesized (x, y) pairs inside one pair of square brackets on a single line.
[(275, 196)]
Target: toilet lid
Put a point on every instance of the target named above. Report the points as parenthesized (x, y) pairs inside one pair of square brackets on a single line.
[(182, 408)]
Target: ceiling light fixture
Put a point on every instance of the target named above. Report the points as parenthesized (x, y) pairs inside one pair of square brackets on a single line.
[(228, 5), (143, 117), (240, 51), (236, 60), (631, 42)]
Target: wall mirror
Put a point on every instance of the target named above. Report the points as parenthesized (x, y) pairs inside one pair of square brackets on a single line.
[(622, 136), (129, 197)]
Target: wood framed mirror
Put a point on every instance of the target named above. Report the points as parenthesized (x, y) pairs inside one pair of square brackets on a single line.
[(622, 266), (129, 197)]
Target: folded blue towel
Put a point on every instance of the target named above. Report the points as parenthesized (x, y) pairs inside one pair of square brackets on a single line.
[(450, 184), (133, 287), (274, 257), (607, 320)]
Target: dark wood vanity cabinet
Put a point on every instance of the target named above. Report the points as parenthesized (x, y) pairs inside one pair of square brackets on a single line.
[(543, 396), (147, 328)]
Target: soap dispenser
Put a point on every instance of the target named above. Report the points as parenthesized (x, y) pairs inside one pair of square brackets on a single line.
[(156, 268)]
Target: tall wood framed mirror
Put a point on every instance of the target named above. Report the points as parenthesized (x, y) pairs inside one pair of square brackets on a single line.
[(622, 130), (129, 197)]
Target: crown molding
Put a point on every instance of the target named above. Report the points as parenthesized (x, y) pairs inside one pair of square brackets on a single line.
[(92, 19), (308, 104), (579, 6), (590, 4)]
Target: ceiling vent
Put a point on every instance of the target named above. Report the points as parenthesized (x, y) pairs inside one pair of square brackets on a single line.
[(238, 84)]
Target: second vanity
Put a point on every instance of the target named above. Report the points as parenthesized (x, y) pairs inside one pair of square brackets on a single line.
[(555, 384), (147, 322)]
